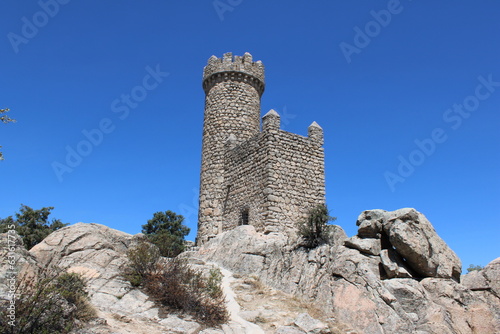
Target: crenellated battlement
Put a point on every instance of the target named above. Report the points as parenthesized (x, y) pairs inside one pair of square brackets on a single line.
[(234, 68)]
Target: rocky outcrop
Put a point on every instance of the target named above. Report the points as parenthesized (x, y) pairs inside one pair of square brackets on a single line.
[(99, 253), (364, 284), (485, 285), (487, 279), (396, 276), (419, 249)]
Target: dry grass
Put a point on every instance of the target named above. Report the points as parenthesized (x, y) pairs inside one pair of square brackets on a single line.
[(174, 285), (177, 286)]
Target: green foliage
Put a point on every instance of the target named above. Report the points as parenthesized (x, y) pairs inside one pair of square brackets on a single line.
[(32, 225), (5, 119), (314, 230), (142, 261), (214, 282), (167, 232), (474, 267), (54, 304)]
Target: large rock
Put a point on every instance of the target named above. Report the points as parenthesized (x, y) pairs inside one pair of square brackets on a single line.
[(370, 246), (492, 274), (371, 223), (340, 281), (485, 287), (393, 264), (460, 310), (99, 254), (414, 239), (310, 325)]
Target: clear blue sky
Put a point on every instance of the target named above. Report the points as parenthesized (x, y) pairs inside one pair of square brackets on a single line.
[(378, 76)]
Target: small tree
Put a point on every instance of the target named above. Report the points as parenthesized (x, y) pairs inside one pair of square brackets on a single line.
[(167, 232), (5, 119), (32, 225), (314, 229), (474, 268), (142, 261)]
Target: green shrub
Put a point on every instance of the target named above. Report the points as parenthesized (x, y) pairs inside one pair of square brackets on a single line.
[(314, 229), (474, 268), (214, 283), (142, 261), (54, 304)]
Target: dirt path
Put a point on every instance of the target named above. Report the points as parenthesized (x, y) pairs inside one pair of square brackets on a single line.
[(237, 324)]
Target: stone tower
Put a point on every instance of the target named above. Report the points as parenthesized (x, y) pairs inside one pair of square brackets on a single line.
[(233, 87), (268, 178)]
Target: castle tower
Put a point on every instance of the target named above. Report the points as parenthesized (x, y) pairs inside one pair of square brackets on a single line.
[(233, 87)]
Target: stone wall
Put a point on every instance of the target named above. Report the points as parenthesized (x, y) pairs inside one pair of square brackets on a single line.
[(296, 181), (244, 182)]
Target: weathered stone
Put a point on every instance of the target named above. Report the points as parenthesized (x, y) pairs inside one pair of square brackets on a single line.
[(212, 331), (310, 325), (475, 280), (478, 315), (176, 325), (492, 274), (393, 264), (289, 330), (370, 223), (251, 316), (415, 239), (368, 245), (337, 235), (409, 294), (484, 286), (99, 253)]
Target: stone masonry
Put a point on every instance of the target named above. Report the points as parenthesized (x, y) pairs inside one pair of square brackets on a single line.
[(267, 178)]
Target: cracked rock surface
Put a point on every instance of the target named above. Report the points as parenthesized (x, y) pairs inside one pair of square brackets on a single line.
[(356, 282)]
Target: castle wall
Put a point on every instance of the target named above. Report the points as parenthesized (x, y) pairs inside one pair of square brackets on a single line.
[(296, 181), (245, 181), (277, 176)]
